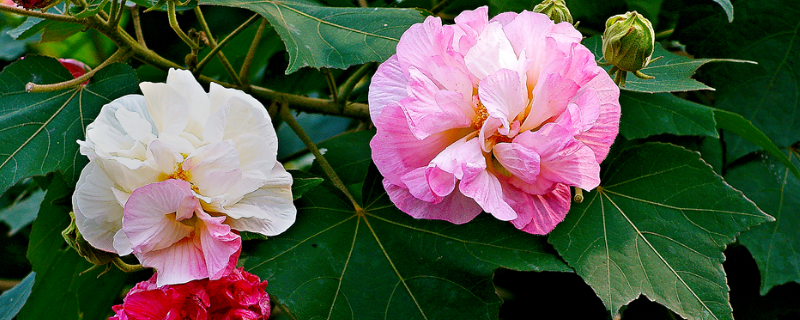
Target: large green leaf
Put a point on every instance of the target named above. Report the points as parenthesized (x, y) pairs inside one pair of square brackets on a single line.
[(672, 72), (646, 114), (12, 300), (657, 226), (63, 285), (337, 262), (39, 130), (335, 37), (774, 245), (745, 129), (766, 94)]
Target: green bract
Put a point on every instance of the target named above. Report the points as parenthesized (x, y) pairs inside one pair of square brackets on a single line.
[(628, 44), (555, 9)]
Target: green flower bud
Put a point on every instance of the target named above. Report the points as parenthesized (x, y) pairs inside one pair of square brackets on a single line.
[(628, 44), (555, 9), (75, 240)]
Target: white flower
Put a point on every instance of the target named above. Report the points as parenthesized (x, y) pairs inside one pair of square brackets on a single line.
[(221, 142)]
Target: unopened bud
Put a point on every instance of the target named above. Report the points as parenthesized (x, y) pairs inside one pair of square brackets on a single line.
[(628, 44), (555, 9), (76, 241)]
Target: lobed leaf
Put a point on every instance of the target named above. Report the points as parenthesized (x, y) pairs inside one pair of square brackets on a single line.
[(657, 226), (645, 114), (765, 94), (338, 262), (334, 37), (774, 245), (672, 72), (64, 286), (38, 130)]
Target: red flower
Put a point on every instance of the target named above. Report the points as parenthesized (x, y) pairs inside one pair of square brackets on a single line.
[(239, 295)]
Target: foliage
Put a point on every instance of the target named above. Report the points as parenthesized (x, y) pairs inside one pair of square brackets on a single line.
[(705, 166)]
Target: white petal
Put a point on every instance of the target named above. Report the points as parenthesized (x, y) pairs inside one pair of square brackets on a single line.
[(98, 216), (167, 107), (492, 52), (268, 210)]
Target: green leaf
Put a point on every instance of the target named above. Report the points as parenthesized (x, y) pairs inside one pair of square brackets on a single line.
[(40, 129), (64, 286), (94, 6), (348, 156), (657, 226), (745, 129), (728, 7), (319, 36), (303, 182), (150, 3), (672, 72), (767, 32), (774, 245), (22, 212), (337, 262), (13, 300), (645, 114), (51, 30)]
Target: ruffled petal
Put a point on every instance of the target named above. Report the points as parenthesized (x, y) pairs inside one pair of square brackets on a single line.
[(167, 107), (455, 207), (504, 96), (268, 210), (487, 191), (539, 214), (154, 212), (219, 244), (427, 112), (519, 160), (388, 86), (491, 53), (98, 216), (199, 105)]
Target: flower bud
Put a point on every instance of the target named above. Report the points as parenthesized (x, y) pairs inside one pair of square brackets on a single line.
[(628, 44), (555, 9), (75, 240)]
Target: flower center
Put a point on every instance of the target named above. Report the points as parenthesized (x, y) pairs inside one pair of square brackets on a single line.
[(480, 115)]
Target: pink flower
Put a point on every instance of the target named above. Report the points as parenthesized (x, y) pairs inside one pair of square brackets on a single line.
[(170, 231), (240, 295), (499, 115)]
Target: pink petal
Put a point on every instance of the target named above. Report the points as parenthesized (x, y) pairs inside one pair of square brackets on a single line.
[(423, 110), (421, 42), (388, 86), (396, 151), (504, 95), (441, 182), (148, 221), (539, 214), (563, 159), (487, 191), (219, 244), (602, 134), (455, 207), (550, 98), (179, 263), (417, 184), (491, 53), (519, 160)]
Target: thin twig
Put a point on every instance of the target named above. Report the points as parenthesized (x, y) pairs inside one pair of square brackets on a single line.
[(441, 6), (137, 25), (43, 15), (112, 14), (286, 115), (116, 57), (331, 84), (173, 22), (313, 105), (244, 72), (216, 47), (347, 87)]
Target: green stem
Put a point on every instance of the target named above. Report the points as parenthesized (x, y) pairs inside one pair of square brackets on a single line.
[(347, 88), (216, 47), (313, 105), (173, 22), (286, 115), (116, 57), (112, 14), (244, 72), (128, 268), (441, 6), (137, 25), (43, 15), (331, 84)]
